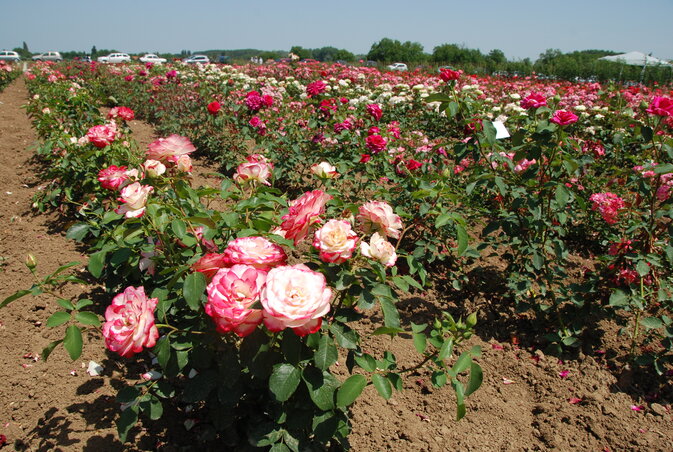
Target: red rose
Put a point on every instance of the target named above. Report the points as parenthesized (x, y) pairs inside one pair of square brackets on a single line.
[(376, 143), (564, 118), (447, 75), (413, 165), (214, 108), (364, 158), (661, 106)]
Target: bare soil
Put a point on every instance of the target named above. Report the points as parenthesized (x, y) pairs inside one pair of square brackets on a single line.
[(523, 405)]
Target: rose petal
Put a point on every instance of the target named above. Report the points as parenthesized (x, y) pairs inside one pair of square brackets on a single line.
[(574, 400), (507, 381), (94, 369)]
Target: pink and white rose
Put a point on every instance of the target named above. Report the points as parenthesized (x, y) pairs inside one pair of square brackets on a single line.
[(379, 216), (169, 149), (129, 322), (324, 170), (258, 252), (102, 136), (134, 198), (379, 249), (113, 177), (154, 168), (295, 297), (257, 169), (230, 294), (336, 241), (304, 212)]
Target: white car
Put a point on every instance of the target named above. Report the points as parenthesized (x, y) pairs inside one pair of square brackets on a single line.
[(398, 67), (197, 59), (48, 56), (152, 58), (9, 55), (115, 58)]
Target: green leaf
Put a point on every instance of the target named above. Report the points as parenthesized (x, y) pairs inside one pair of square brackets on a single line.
[(77, 232), (321, 387), (391, 317), (438, 97), (179, 228), (367, 362), (562, 195), (58, 318), (284, 381), (327, 353), (460, 398), (193, 288), (96, 263), (651, 323), (387, 330), (462, 363), (291, 347), (446, 350), (420, 342), (15, 296), (279, 447), (489, 131), (538, 261), (476, 378), (73, 341), (50, 348), (156, 409), (345, 336), (663, 169), (382, 385), (127, 419), (200, 387), (619, 299), (443, 219), (87, 318), (647, 133), (462, 239), (642, 268), (128, 394), (162, 350), (83, 303), (65, 304), (350, 390)]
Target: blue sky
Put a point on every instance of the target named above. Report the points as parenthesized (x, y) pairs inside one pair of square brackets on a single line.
[(521, 29)]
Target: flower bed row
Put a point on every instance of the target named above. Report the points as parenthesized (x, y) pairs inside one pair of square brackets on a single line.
[(585, 172), (246, 308)]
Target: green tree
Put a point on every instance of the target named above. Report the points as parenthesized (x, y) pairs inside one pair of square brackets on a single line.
[(301, 52), (94, 51), (389, 50)]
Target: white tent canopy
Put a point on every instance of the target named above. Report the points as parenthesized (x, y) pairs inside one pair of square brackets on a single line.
[(636, 59)]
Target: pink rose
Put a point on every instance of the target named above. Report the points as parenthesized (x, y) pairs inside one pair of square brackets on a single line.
[(304, 212), (523, 165), (129, 322), (254, 169), (324, 170), (210, 263), (183, 163), (661, 106), (375, 111), (258, 252), (564, 118), (379, 249), (134, 198), (375, 143), (607, 205), (295, 297), (124, 113), (230, 295), (254, 101), (101, 136), (315, 88), (533, 100), (112, 177), (379, 216), (336, 241), (169, 149), (154, 168)]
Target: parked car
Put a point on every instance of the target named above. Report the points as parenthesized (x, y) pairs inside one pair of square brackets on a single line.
[(8, 55), (398, 67), (115, 58), (152, 58), (197, 59), (48, 56)]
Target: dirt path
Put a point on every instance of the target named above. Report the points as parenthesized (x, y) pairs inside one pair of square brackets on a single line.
[(523, 405)]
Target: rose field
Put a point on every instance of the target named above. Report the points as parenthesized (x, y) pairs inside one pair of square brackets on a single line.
[(308, 256)]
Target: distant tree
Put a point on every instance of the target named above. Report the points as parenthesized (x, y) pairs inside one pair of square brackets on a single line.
[(343, 55), (454, 54), (389, 50), (497, 56), (94, 51), (301, 52), (25, 47)]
